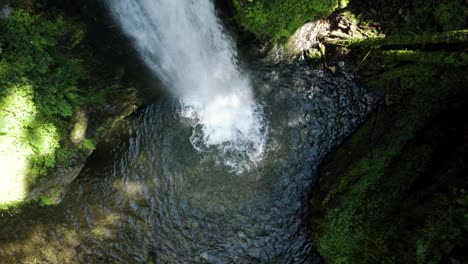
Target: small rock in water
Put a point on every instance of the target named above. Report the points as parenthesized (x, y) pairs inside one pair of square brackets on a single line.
[(204, 256), (241, 235), (195, 225), (400, 11)]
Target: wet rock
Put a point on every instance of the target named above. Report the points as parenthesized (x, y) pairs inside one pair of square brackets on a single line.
[(302, 40), (204, 256), (400, 11), (78, 133), (242, 235), (5, 11), (255, 253)]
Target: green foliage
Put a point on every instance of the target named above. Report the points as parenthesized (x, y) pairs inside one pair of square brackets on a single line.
[(44, 139), (433, 16), (438, 229), (30, 62), (377, 206), (43, 81), (88, 144), (47, 72), (32, 54), (368, 209), (278, 19), (45, 201)]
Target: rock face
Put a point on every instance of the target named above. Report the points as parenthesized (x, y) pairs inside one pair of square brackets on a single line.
[(305, 38), (58, 182), (78, 133), (5, 11)]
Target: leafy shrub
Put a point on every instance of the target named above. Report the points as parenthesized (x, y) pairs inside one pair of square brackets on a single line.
[(38, 66), (88, 144), (32, 53), (433, 16), (382, 206)]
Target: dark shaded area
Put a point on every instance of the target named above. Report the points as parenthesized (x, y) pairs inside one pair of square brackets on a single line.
[(412, 17), (395, 191), (111, 46), (422, 189)]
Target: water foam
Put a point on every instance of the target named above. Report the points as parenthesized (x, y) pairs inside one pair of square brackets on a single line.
[(184, 43)]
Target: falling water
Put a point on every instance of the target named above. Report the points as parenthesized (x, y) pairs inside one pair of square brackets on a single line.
[(184, 44)]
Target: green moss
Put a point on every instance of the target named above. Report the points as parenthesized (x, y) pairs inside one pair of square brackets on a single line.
[(367, 207), (314, 57), (278, 19), (420, 40), (433, 16), (454, 58), (388, 195), (350, 232), (88, 144), (45, 201)]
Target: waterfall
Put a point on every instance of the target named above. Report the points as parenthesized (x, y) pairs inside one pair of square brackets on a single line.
[(184, 44)]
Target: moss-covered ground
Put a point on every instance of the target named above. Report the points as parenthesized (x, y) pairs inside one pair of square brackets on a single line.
[(396, 190)]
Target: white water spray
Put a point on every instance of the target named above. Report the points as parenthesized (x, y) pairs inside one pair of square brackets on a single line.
[(183, 42)]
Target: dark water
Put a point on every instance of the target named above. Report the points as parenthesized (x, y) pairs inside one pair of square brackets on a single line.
[(147, 196)]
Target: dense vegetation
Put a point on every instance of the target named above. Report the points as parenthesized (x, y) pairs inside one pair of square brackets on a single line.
[(395, 192), (277, 19), (49, 83), (39, 80)]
